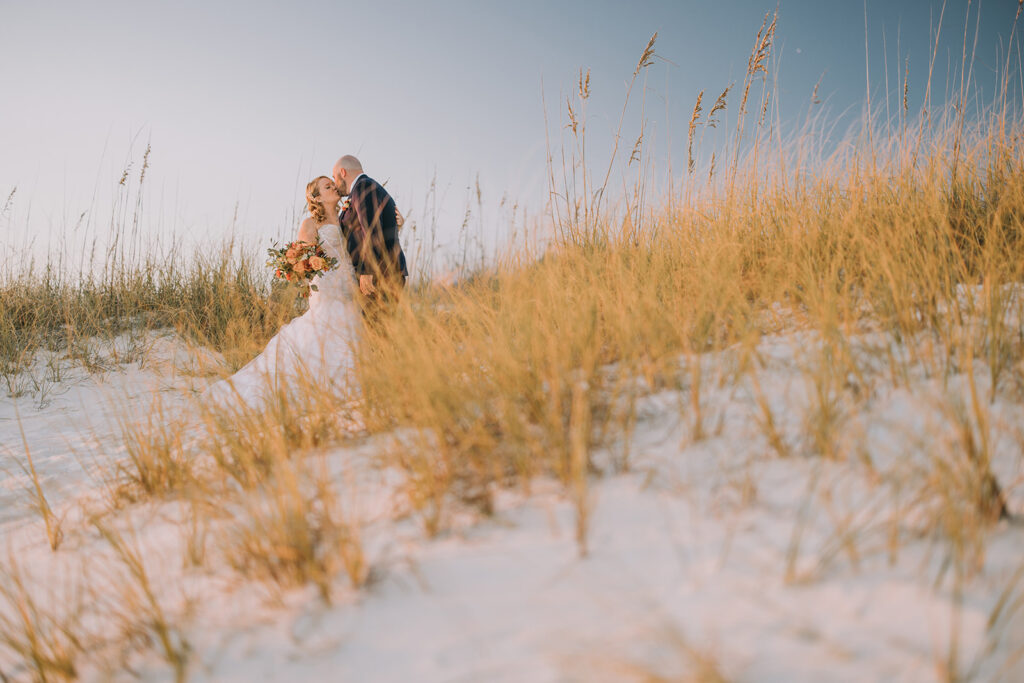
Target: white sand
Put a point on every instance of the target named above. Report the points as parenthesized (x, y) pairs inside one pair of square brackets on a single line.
[(713, 550)]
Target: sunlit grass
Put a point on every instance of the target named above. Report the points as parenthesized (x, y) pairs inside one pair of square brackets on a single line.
[(533, 366)]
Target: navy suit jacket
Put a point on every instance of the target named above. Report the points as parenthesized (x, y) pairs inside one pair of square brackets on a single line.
[(370, 229)]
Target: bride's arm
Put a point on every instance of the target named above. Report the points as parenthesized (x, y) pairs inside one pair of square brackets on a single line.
[(307, 231)]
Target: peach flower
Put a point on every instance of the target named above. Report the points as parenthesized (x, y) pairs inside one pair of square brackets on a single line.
[(316, 263)]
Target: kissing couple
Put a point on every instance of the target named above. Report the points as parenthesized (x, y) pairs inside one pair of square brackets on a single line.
[(317, 347)]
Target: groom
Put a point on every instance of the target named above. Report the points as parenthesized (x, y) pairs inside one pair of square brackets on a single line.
[(370, 225)]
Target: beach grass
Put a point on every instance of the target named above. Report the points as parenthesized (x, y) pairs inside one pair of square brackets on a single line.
[(898, 256)]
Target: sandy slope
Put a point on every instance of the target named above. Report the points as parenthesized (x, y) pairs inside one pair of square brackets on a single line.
[(709, 552)]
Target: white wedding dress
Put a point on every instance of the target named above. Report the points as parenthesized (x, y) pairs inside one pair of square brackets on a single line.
[(313, 350)]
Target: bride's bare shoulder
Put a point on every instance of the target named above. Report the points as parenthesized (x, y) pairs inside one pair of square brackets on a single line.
[(308, 230)]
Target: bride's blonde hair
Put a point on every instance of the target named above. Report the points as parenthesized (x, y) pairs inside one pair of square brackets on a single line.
[(316, 207)]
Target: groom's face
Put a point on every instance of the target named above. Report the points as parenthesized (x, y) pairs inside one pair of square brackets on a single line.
[(339, 181)]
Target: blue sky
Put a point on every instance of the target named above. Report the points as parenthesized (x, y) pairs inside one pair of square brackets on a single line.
[(244, 102)]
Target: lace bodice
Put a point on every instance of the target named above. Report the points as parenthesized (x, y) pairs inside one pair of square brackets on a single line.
[(338, 283), (330, 235)]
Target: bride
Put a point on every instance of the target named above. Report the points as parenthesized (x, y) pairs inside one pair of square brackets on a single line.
[(315, 349)]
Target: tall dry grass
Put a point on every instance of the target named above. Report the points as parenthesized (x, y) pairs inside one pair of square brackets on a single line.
[(40, 637), (533, 366), (514, 373), (94, 309), (528, 367)]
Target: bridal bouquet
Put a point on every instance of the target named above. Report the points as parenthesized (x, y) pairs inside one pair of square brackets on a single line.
[(299, 263)]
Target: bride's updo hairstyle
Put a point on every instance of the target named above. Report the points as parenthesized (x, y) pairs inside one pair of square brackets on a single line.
[(315, 206)]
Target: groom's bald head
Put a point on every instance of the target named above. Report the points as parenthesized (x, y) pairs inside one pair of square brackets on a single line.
[(349, 163), (345, 171)]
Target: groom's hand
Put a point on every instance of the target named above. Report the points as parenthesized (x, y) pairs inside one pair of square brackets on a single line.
[(366, 285)]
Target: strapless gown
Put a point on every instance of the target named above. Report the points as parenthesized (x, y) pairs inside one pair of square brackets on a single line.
[(317, 346)]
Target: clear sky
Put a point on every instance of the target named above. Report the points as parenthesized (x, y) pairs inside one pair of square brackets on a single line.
[(243, 102)]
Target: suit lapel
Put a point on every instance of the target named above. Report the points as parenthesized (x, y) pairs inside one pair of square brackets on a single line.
[(349, 218), (356, 192)]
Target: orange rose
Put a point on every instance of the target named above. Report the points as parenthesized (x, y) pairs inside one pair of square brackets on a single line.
[(316, 263), (300, 267), (289, 277), (292, 255)]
